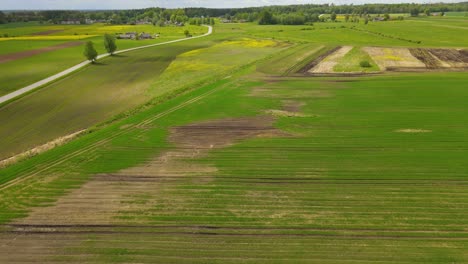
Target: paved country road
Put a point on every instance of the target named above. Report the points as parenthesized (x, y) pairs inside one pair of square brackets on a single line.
[(81, 65)]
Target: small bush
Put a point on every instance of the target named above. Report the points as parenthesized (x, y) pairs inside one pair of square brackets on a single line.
[(365, 64)]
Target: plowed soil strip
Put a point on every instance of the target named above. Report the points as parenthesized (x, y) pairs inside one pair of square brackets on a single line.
[(451, 56), (29, 53), (155, 228), (424, 56)]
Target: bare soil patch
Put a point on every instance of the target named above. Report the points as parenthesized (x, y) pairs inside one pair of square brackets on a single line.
[(292, 106), (389, 58), (413, 130), (314, 63), (327, 64), (48, 32), (283, 113), (40, 149), (455, 58), (29, 53)]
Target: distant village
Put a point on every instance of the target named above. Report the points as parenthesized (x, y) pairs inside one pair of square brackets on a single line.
[(136, 36)]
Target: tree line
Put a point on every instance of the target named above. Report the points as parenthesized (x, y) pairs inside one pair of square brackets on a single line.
[(291, 14)]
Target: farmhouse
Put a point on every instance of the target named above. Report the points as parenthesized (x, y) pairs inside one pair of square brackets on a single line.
[(379, 19), (145, 36), (70, 22), (128, 35)]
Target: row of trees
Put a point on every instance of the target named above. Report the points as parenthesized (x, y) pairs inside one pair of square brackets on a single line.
[(3, 19), (292, 14), (202, 21), (109, 44)]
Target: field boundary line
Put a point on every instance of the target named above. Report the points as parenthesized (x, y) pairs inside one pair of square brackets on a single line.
[(72, 69)]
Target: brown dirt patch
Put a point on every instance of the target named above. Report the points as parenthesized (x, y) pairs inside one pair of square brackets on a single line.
[(29, 53), (430, 61), (455, 58), (222, 133), (48, 32), (327, 64)]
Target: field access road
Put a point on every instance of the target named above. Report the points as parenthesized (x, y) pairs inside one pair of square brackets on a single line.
[(52, 78)]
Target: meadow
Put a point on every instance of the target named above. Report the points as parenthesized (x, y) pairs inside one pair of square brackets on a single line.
[(240, 158)]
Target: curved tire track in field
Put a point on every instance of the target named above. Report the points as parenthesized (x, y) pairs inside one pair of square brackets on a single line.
[(106, 140), (59, 75)]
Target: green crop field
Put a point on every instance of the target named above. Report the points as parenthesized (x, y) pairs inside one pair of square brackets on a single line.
[(224, 149)]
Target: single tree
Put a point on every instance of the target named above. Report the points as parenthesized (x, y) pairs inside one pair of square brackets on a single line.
[(427, 12), (414, 12), (266, 18), (366, 21), (333, 16), (161, 23), (109, 43), (346, 17), (2, 18), (90, 52), (187, 33), (212, 21), (386, 17)]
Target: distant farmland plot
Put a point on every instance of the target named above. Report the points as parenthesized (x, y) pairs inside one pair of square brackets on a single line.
[(444, 33), (456, 14)]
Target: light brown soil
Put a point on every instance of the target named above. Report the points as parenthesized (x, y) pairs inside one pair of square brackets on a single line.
[(389, 58), (48, 32), (40, 149), (101, 200), (455, 58), (327, 64), (292, 106), (24, 54), (413, 130), (317, 60)]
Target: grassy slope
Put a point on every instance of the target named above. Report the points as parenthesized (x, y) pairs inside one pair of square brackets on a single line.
[(20, 73), (350, 62)]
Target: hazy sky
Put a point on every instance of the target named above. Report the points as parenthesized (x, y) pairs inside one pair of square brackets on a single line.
[(129, 4)]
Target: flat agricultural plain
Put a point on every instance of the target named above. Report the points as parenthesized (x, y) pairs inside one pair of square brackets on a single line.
[(226, 149)]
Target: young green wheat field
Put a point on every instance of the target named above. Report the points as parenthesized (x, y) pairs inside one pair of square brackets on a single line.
[(256, 144)]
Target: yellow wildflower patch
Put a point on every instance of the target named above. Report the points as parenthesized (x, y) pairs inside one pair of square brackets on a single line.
[(251, 43)]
